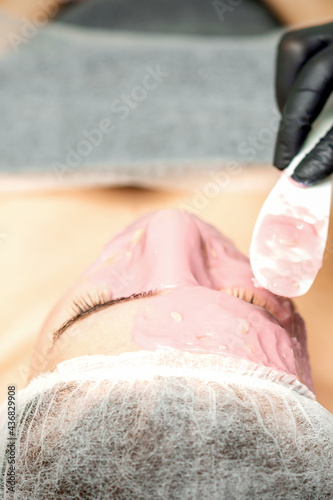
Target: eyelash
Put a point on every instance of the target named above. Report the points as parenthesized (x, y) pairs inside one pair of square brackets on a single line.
[(252, 297), (86, 303)]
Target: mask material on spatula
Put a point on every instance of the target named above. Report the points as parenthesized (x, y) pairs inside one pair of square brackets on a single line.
[(290, 234)]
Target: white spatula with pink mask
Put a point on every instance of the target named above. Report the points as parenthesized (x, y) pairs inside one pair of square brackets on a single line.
[(290, 234)]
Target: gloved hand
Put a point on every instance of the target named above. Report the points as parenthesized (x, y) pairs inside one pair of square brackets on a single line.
[(304, 81)]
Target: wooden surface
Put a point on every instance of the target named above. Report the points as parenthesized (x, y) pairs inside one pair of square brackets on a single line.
[(46, 240)]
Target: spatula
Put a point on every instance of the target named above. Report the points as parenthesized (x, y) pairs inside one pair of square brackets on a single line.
[(290, 234)]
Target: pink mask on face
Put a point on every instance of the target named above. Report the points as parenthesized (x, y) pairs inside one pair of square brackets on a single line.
[(174, 251)]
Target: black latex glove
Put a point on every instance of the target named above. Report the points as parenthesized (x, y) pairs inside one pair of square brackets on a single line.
[(304, 81)]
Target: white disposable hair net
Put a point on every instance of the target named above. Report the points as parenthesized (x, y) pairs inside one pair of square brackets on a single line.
[(169, 425)]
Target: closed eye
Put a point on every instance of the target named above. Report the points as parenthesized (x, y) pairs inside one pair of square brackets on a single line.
[(256, 298), (86, 305)]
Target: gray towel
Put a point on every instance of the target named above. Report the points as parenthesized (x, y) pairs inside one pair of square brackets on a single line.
[(79, 104), (205, 17)]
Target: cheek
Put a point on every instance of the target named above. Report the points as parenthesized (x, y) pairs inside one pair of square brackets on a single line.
[(55, 318), (40, 355), (61, 312), (58, 314), (107, 332), (64, 308)]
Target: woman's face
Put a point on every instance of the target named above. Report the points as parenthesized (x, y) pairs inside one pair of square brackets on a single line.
[(171, 280)]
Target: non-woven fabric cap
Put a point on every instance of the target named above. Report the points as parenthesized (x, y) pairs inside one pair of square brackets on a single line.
[(145, 365), (101, 404), (82, 107)]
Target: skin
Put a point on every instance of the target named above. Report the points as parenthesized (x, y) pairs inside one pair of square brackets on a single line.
[(204, 301)]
